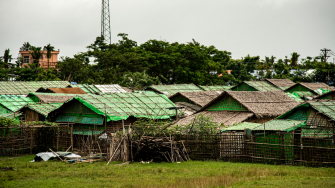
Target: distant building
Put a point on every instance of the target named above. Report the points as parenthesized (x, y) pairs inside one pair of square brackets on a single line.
[(27, 58)]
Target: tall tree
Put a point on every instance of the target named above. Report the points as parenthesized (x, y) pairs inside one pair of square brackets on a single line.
[(281, 69), (7, 58), (25, 47), (36, 54), (294, 59), (49, 49)]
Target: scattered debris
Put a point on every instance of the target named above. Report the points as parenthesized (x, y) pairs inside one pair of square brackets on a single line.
[(45, 156), (7, 168), (123, 163)]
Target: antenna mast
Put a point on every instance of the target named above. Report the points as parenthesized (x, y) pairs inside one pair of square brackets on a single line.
[(105, 22)]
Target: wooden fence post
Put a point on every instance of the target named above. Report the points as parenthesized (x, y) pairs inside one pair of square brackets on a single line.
[(57, 138), (31, 140), (72, 137)]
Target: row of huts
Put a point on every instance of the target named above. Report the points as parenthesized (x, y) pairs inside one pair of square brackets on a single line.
[(109, 107)]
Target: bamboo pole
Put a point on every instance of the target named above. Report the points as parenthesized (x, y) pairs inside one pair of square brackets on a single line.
[(115, 150), (68, 149), (264, 144), (31, 140), (72, 137), (125, 148), (55, 154), (57, 138), (186, 151)]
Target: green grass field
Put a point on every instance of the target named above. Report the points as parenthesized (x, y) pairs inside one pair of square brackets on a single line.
[(184, 174)]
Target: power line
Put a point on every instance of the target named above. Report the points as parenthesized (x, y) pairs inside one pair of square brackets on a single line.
[(324, 53)]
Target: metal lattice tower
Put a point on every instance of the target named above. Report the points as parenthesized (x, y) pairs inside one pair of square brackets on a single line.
[(105, 21)]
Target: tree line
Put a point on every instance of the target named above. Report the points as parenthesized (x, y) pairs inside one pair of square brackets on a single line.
[(160, 62)]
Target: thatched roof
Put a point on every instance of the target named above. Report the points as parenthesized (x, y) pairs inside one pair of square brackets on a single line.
[(188, 109), (127, 89), (200, 98), (51, 97), (261, 103), (216, 88), (228, 118), (75, 90), (281, 83), (314, 86)]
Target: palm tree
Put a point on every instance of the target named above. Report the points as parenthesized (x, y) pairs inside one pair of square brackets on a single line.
[(7, 57), (49, 49), (25, 47), (294, 59), (36, 54)]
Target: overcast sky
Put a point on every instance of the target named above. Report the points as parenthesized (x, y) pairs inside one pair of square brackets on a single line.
[(255, 27)]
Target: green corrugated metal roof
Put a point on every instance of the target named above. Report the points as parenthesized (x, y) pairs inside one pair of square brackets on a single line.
[(173, 89), (242, 126), (55, 94), (216, 88), (44, 109), (111, 88), (106, 88), (296, 98), (280, 125), (14, 102), (24, 88), (327, 108), (122, 105), (262, 86), (91, 89)]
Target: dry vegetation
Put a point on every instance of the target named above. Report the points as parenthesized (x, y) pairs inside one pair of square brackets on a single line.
[(185, 174)]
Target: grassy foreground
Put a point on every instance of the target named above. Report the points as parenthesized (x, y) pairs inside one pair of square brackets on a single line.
[(185, 174)]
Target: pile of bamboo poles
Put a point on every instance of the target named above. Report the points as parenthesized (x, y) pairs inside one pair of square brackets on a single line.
[(159, 149)]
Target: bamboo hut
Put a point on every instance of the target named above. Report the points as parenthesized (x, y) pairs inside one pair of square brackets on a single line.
[(193, 101), (113, 111), (40, 112), (233, 107), (308, 87)]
